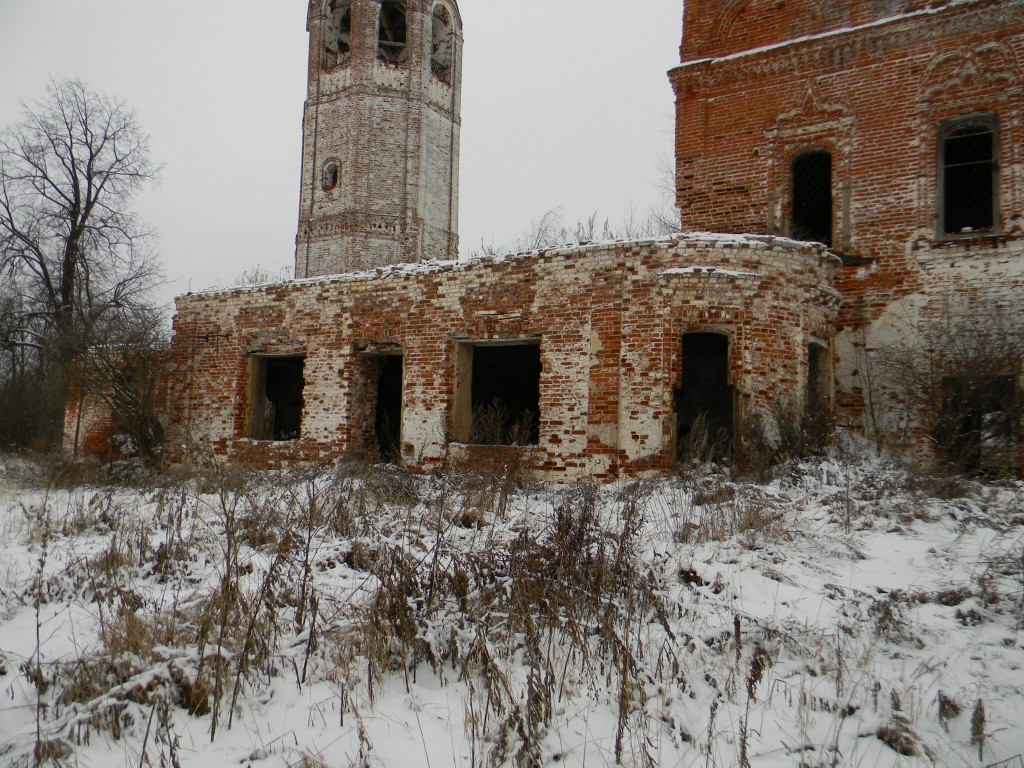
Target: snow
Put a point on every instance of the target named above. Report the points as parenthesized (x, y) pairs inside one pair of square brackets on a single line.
[(858, 595), (685, 239), (709, 271), (838, 32)]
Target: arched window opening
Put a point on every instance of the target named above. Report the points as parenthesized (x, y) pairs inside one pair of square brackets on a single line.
[(704, 400), (968, 174), (330, 175), (338, 37), (441, 45), (812, 197), (392, 35)]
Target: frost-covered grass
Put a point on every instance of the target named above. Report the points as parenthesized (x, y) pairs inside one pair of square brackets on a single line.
[(842, 614)]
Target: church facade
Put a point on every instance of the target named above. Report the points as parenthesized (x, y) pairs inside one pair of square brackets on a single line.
[(891, 131), (860, 161)]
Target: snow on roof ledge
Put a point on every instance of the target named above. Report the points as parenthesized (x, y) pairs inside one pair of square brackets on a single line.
[(686, 239), (710, 271)]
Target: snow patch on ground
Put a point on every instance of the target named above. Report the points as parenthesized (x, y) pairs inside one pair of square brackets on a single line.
[(832, 616)]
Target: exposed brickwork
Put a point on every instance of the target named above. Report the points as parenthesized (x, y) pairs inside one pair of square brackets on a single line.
[(870, 81), (88, 426), (610, 320), (392, 131)]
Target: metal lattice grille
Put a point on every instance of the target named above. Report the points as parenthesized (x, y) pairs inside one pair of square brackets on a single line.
[(968, 168)]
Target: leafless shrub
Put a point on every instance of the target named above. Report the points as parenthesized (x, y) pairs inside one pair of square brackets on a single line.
[(787, 430), (701, 445), (494, 424), (978, 727), (487, 477), (953, 376)]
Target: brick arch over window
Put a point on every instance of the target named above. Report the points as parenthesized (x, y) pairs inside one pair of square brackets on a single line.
[(814, 124), (990, 68), (957, 86), (442, 43)]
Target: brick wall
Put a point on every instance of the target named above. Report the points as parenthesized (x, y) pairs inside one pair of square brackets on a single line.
[(392, 130), (609, 319), (869, 81)]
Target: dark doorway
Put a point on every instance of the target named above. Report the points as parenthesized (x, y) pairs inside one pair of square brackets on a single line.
[(388, 416), (812, 197), (276, 385), (704, 401), (817, 381), (979, 422)]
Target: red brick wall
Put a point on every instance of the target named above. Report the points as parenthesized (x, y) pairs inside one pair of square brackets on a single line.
[(610, 320), (870, 81)]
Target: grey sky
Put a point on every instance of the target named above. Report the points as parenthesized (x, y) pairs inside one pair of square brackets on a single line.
[(565, 103)]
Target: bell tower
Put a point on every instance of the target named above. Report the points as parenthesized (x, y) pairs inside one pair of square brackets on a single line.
[(380, 146)]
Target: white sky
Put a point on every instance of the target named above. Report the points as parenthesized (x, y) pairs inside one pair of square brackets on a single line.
[(565, 103)]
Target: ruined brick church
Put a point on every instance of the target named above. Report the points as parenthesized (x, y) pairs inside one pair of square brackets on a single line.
[(859, 161)]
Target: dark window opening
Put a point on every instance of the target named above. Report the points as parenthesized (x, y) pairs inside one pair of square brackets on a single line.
[(441, 45), (969, 180), (391, 38), (387, 427), (330, 176), (276, 385), (704, 401), (498, 394), (979, 423), (817, 423), (812, 197), (817, 380), (338, 38)]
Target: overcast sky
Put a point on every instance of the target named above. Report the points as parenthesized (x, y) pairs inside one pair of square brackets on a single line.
[(565, 103)]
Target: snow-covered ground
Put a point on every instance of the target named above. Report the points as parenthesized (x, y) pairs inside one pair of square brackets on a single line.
[(843, 614)]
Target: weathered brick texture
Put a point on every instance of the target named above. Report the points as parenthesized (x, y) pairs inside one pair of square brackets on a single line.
[(392, 131), (870, 82), (609, 318)]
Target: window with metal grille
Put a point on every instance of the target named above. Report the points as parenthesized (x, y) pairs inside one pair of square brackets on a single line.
[(968, 175), (812, 197)]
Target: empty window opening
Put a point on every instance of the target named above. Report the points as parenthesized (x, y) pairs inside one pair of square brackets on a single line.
[(812, 197), (338, 36), (330, 176), (818, 397), (441, 45), (391, 38), (979, 423), (387, 426), (817, 379), (968, 176), (497, 398), (275, 397), (704, 401)]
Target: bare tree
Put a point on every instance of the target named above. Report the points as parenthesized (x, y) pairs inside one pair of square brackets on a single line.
[(550, 230), (127, 373), (73, 254)]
